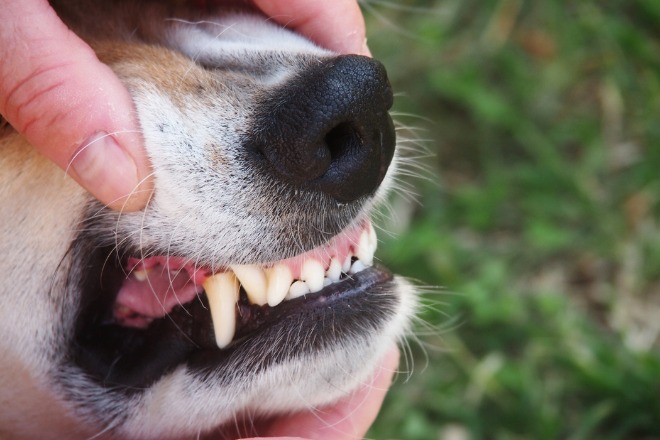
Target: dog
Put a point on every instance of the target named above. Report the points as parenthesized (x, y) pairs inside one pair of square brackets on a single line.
[(247, 286)]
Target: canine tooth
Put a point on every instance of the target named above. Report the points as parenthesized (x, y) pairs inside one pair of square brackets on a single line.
[(358, 266), (334, 270), (279, 281), (346, 265), (253, 280), (364, 252), (312, 273), (299, 288), (222, 292), (327, 281)]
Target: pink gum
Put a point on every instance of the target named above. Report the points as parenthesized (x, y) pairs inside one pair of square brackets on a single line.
[(339, 247)]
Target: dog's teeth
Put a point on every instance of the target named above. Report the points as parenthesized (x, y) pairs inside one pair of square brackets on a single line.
[(141, 274), (312, 273), (253, 280), (279, 281), (299, 288), (358, 266), (334, 270), (364, 252), (346, 265), (222, 292), (327, 281), (373, 239)]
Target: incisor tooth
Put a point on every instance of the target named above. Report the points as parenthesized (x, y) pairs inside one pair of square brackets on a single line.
[(334, 270), (279, 281), (299, 288), (253, 280), (357, 266), (312, 273), (141, 274), (346, 265), (364, 252), (222, 291)]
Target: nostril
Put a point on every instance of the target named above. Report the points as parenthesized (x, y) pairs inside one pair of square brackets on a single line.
[(342, 141), (328, 129)]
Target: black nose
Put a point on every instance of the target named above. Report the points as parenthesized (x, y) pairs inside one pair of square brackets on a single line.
[(328, 128)]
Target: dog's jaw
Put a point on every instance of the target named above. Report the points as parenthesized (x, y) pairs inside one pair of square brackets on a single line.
[(214, 205)]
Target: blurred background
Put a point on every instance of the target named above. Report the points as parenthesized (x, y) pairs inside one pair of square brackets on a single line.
[(534, 231)]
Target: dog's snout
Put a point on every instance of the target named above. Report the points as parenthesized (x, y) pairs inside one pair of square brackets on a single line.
[(329, 128)]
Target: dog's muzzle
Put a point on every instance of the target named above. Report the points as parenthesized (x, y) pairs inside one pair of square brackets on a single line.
[(328, 133)]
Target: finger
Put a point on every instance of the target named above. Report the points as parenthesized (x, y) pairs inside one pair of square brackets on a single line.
[(337, 25), (347, 420), (71, 107)]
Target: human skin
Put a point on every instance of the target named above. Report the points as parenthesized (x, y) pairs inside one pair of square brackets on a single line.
[(348, 419)]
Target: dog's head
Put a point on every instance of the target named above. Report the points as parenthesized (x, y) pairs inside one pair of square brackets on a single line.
[(247, 286)]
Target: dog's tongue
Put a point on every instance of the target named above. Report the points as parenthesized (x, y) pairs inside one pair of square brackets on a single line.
[(155, 287)]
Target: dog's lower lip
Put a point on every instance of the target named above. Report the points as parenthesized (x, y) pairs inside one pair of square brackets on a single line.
[(134, 358), (252, 318)]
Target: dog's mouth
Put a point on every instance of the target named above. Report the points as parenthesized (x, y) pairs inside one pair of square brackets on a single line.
[(154, 286), (151, 314)]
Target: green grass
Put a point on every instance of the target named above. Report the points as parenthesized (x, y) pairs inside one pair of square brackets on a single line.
[(538, 220)]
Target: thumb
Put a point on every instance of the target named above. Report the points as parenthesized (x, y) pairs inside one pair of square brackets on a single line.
[(337, 25), (70, 106)]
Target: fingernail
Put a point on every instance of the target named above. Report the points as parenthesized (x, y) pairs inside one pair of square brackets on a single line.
[(105, 169), (365, 49)]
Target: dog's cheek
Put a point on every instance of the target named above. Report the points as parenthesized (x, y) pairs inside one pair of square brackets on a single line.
[(42, 210)]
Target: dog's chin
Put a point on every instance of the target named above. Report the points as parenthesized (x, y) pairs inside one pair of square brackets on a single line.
[(356, 314)]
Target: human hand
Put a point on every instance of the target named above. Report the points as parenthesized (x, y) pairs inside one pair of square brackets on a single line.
[(75, 111), (337, 25), (348, 419), (70, 106)]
